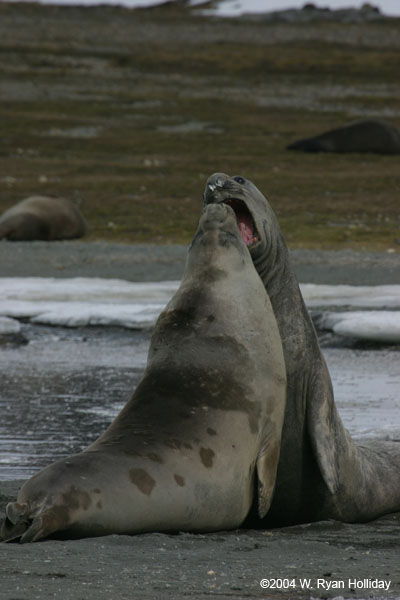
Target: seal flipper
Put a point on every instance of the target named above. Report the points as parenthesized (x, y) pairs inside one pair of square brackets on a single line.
[(322, 424), (37, 530), (267, 466), (16, 522), (52, 520)]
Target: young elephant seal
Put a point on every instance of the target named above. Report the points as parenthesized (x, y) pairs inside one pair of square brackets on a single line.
[(42, 218), (322, 474), (202, 426)]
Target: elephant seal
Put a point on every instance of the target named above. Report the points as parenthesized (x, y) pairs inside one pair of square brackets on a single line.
[(203, 425), (321, 474), (42, 218), (372, 136)]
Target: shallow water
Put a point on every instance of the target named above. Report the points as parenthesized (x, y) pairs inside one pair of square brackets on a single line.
[(61, 390)]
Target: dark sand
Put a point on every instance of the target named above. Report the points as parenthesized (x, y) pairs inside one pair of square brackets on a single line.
[(224, 564)]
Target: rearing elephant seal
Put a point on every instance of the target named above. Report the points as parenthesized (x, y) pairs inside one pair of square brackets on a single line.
[(42, 218), (322, 473), (203, 424)]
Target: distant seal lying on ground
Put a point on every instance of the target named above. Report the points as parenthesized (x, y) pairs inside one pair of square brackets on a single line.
[(42, 218), (360, 136), (203, 425), (322, 474)]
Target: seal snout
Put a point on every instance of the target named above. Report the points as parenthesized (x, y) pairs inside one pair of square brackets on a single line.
[(217, 216), (231, 191)]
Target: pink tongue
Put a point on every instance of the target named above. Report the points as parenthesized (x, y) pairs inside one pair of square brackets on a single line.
[(246, 229)]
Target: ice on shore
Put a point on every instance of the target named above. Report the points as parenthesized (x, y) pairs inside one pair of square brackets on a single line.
[(379, 325), (374, 325), (81, 302), (359, 296), (8, 326)]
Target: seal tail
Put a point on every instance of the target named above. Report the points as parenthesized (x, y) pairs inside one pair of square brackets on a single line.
[(20, 526), (16, 522), (19, 523)]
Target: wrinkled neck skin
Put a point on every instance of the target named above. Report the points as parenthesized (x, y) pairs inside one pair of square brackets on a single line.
[(298, 471), (321, 473)]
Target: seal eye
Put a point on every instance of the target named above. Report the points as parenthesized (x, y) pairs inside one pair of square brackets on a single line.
[(239, 179)]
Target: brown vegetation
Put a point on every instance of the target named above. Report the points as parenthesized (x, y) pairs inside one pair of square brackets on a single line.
[(128, 112)]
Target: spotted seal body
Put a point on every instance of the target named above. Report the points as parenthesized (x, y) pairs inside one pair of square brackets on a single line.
[(203, 425), (42, 218), (322, 474)]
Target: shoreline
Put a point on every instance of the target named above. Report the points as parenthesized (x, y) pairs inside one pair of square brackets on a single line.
[(150, 262)]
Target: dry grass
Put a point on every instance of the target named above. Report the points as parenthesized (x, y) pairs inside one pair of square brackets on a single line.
[(92, 98)]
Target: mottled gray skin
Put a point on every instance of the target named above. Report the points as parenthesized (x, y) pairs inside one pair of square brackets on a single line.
[(203, 426), (42, 218), (360, 136), (321, 474)]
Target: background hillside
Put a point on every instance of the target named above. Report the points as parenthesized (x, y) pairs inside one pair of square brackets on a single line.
[(128, 112)]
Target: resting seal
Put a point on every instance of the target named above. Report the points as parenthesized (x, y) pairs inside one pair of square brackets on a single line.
[(373, 136), (203, 425), (322, 474), (42, 218)]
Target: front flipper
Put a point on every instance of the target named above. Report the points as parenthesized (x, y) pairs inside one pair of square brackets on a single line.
[(327, 434), (266, 466)]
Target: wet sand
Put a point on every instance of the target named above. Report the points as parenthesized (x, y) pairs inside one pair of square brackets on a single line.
[(224, 564)]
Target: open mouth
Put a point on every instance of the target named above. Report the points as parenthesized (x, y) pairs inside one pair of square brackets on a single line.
[(245, 221)]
